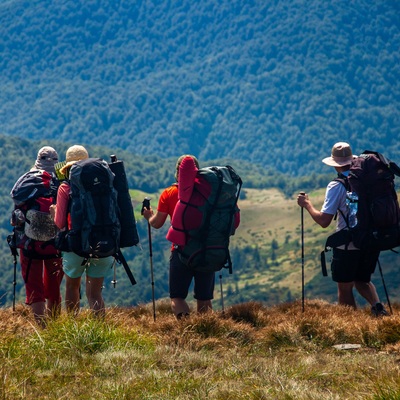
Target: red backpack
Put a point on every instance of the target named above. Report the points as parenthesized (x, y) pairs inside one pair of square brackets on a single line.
[(34, 229), (205, 216)]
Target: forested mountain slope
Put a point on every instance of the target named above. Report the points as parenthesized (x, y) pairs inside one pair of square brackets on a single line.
[(275, 82)]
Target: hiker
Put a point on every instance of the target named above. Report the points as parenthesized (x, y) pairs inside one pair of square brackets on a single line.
[(180, 276), (350, 267), (41, 264), (96, 269)]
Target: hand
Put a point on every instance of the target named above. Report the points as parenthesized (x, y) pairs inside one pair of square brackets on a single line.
[(302, 199), (147, 213), (52, 210)]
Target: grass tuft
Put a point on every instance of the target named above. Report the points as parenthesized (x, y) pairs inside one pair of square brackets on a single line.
[(248, 352)]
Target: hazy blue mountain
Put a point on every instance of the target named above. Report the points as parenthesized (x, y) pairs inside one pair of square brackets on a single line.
[(275, 82)]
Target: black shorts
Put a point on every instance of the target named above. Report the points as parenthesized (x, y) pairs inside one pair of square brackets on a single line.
[(181, 276), (353, 265)]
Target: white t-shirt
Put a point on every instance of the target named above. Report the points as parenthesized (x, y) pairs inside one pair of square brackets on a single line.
[(335, 199)]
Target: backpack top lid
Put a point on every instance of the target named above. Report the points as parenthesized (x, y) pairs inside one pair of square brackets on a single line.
[(370, 168), (32, 185), (91, 175)]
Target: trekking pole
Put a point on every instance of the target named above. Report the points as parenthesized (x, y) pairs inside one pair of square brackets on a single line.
[(114, 281), (384, 287), (222, 293), (146, 204), (14, 253), (302, 256), (14, 281)]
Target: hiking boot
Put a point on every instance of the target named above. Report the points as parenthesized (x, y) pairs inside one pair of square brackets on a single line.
[(182, 315), (378, 310)]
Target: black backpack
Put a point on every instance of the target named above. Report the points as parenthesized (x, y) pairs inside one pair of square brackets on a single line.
[(371, 177), (378, 214), (95, 215), (208, 218), (95, 226)]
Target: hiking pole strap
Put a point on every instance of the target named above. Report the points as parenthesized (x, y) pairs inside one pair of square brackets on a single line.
[(120, 258), (323, 264)]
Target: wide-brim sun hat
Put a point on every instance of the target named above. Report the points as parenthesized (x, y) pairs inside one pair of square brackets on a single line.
[(341, 155), (74, 153)]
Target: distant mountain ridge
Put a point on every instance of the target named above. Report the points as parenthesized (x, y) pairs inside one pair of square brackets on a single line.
[(271, 82)]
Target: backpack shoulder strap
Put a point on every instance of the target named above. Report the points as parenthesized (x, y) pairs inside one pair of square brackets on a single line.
[(345, 182)]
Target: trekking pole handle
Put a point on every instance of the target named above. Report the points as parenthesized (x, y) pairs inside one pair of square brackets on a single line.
[(146, 204)]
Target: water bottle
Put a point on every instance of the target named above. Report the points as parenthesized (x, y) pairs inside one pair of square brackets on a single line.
[(352, 204)]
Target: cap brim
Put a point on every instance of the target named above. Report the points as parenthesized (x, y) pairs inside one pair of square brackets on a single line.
[(337, 163)]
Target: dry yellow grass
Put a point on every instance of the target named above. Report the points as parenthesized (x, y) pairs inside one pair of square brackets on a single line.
[(248, 352)]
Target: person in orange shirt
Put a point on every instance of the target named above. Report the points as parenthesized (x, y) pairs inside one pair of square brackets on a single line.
[(180, 276)]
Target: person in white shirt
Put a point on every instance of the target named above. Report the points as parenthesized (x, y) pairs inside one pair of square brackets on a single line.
[(350, 267)]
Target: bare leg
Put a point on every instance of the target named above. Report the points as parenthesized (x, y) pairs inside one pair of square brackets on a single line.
[(53, 308), (179, 306), (94, 295), (39, 312), (72, 295), (368, 291), (345, 294), (203, 306)]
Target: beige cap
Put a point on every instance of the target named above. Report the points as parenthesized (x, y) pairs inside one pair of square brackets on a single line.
[(74, 153)]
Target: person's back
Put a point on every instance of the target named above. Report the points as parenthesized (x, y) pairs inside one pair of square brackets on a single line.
[(180, 277), (75, 265), (34, 233), (350, 266)]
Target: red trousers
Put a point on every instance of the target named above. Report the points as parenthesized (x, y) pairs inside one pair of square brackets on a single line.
[(42, 279)]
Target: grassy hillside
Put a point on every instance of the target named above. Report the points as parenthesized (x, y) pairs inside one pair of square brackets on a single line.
[(266, 249), (266, 252), (272, 224), (251, 352)]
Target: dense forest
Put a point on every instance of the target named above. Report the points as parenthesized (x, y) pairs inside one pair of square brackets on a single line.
[(265, 86), (272, 82)]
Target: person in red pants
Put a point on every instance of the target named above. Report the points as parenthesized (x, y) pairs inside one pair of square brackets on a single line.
[(41, 263)]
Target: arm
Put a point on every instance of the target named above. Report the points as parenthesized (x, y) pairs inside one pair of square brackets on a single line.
[(166, 206), (60, 210), (156, 220), (319, 217)]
